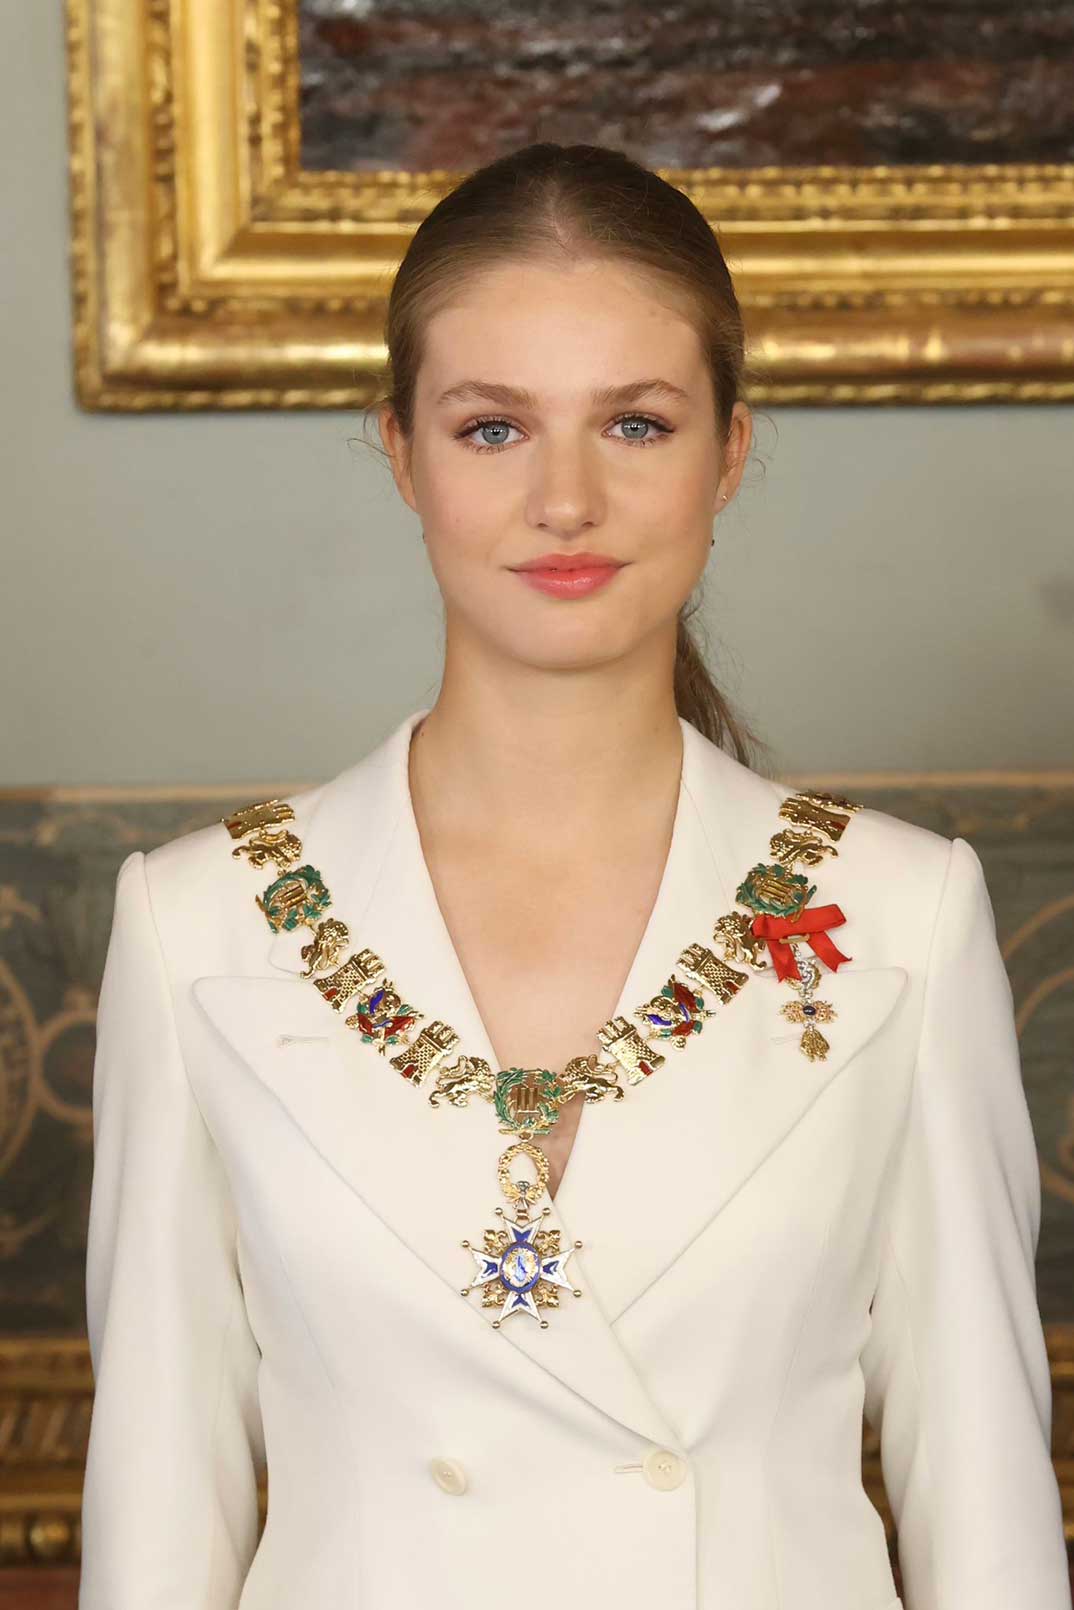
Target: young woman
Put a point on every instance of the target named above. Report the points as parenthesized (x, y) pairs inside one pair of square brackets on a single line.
[(543, 1141)]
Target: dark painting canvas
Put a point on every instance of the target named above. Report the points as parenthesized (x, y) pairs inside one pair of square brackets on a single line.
[(430, 84)]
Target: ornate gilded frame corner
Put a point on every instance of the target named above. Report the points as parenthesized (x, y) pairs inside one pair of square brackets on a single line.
[(210, 271)]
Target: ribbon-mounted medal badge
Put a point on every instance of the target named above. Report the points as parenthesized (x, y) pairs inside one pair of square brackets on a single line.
[(779, 898)]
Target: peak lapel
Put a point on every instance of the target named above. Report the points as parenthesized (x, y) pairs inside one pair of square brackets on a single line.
[(646, 1174), (647, 1177), (428, 1173)]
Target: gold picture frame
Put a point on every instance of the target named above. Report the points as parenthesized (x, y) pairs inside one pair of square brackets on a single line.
[(209, 271)]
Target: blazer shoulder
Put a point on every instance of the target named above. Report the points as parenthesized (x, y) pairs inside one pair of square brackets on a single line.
[(890, 839), (202, 894), (887, 874), (879, 857), (911, 847), (196, 854)]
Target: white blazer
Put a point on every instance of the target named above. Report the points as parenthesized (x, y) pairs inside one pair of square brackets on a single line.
[(770, 1246)]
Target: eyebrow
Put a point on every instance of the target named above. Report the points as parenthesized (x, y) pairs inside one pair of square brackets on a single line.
[(603, 397)]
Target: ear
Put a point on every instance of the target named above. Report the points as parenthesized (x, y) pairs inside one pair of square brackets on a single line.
[(739, 438), (398, 450)]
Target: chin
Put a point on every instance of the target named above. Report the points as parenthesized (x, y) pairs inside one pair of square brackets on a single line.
[(575, 650)]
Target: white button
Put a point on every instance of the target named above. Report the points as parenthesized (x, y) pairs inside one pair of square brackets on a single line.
[(448, 1474), (663, 1469)]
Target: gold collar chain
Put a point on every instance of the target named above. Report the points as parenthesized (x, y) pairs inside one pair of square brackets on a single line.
[(520, 1266)]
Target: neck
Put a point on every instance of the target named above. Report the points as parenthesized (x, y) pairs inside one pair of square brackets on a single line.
[(547, 758)]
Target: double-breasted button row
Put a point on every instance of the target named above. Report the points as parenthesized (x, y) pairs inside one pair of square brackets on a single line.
[(661, 1467), (449, 1475)]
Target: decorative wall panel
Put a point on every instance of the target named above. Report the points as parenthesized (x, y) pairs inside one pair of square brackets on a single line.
[(59, 853)]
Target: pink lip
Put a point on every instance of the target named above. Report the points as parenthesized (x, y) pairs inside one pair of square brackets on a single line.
[(568, 575), (573, 583)]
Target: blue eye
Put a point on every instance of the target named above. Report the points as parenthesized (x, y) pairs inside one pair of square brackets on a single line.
[(648, 422), (488, 425), (496, 424)]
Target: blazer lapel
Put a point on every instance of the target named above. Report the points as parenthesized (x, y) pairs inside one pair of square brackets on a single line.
[(646, 1173)]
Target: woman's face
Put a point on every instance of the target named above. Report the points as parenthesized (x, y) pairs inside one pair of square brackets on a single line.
[(562, 411)]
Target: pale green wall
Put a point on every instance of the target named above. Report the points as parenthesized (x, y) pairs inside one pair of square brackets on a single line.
[(230, 599)]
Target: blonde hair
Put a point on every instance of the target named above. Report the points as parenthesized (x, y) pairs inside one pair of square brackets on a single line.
[(580, 201)]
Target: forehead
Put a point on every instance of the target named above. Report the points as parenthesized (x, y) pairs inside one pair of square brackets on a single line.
[(551, 327)]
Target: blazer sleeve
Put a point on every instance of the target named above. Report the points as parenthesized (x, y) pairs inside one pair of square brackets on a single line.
[(169, 1508), (956, 1369)]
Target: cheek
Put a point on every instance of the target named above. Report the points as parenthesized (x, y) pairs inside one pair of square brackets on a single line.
[(673, 565), (464, 550), (686, 495), (461, 541), (464, 514)]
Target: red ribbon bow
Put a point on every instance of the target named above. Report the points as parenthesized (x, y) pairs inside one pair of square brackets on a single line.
[(812, 924)]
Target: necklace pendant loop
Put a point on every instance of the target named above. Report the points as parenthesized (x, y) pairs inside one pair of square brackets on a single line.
[(521, 1267)]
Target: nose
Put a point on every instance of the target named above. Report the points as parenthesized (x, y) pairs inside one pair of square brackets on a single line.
[(566, 494)]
